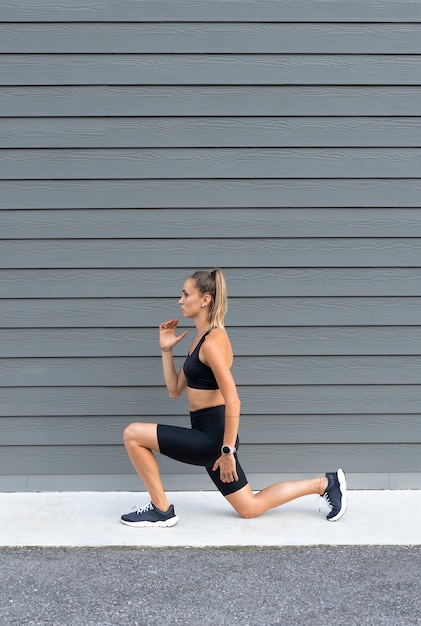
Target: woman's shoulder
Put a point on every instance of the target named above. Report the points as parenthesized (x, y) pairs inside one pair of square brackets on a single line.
[(218, 337), (218, 334)]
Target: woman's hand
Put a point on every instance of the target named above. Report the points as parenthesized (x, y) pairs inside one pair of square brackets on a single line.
[(167, 336), (227, 468)]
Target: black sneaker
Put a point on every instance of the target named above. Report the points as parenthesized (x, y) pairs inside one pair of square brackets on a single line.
[(335, 495), (150, 515)]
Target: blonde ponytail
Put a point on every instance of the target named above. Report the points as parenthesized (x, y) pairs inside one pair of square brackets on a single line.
[(213, 283)]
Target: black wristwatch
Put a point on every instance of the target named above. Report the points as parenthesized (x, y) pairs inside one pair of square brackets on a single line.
[(228, 450)]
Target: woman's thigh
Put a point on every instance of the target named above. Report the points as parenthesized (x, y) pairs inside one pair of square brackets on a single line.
[(244, 502), (180, 443), (188, 445), (144, 435), (228, 488)]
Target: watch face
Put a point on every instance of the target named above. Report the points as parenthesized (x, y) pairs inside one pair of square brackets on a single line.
[(226, 449)]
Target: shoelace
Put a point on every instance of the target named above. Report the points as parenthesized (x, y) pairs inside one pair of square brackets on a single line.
[(326, 497), (143, 509), (322, 497)]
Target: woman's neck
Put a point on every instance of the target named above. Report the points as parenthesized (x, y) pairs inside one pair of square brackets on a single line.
[(201, 330)]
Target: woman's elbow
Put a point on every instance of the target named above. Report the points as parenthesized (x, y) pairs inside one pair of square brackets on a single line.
[(174, 393), (233, 406)]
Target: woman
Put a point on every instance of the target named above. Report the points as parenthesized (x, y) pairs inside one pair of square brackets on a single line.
[(214, 404)]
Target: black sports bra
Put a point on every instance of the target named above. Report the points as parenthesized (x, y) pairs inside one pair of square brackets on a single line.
[(199, 375)]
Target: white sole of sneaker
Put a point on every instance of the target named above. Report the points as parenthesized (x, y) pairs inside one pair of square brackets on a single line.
[(166, 524), (344, 503)]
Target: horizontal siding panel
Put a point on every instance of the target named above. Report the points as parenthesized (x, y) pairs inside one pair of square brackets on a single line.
[(191, 193), (254, 429), (135, 312), (355, 457), (208, 101), (213, 132), (211, 38), (76, 342), (196, 482), (148, 401), (216, 69), (327, 370), (218, 10), (205, 163), (61, 460), (269, 370), (219, 223), (339, 340), (33, 431), (256, 282), (146, 253), (275, 341), (311, 429)]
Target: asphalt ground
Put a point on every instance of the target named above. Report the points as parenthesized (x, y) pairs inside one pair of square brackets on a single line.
[(318, 586)]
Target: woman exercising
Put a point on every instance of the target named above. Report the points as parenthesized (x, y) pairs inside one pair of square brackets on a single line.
[(212, 441)]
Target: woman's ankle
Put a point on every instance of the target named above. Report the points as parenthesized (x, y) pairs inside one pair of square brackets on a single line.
[(323, 484), (162, 505)]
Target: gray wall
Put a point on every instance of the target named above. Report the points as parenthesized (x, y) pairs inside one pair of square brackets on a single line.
[(280, 141)]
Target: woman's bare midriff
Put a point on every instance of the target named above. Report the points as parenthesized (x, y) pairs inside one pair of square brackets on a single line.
[(204, 398)]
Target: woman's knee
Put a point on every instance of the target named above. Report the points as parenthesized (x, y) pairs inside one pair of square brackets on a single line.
[(130, 433), (244, 502), (138, 434), (248, 512)]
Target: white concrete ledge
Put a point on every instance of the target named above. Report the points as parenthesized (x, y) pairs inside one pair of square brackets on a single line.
[(92, 519)]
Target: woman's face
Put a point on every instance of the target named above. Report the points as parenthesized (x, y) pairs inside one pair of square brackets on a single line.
[(191, 300)]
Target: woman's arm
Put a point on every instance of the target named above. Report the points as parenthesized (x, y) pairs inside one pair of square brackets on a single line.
[(218, 354), (175, 382)]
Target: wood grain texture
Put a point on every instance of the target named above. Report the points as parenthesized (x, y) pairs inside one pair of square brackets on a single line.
[(217, 223), (210, 38), (249, 282), (169, 101), (218, 10), (254, 429), (216, 69), (146, 371), (208, 163), (268, 458), (137, 312), (153, 401), (278, 252), (218, 193), (196, 482), (270, 340), (212, 132)]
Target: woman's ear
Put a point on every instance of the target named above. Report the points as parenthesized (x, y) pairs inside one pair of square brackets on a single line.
[(206, 300)]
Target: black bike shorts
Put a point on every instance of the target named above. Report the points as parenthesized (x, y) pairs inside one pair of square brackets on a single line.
[(201, 445)]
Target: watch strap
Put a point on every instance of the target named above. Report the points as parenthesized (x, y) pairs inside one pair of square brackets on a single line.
[(228, 450)]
